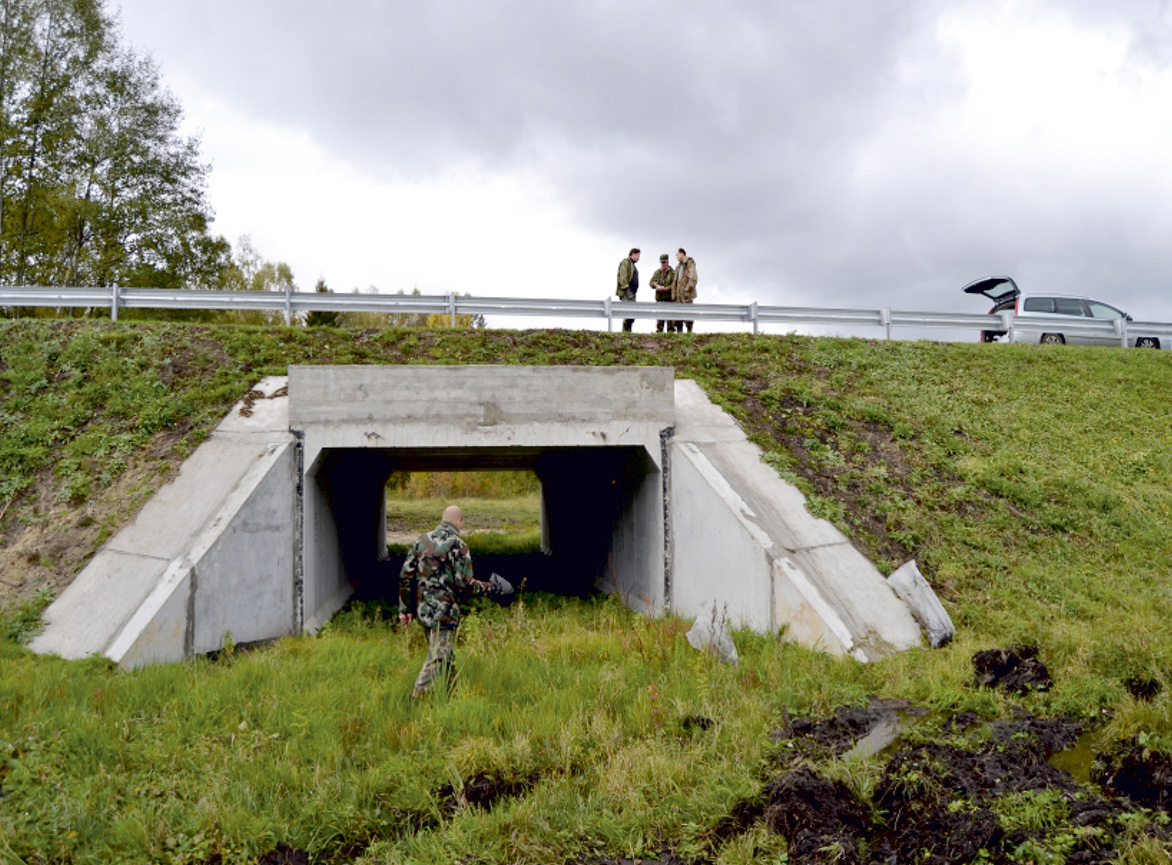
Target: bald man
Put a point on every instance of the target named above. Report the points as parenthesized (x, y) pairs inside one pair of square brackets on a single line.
[(435, 576)]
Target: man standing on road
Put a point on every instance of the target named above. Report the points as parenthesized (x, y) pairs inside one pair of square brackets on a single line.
[(685, 287), (628, 282), (435, 576), (662, 281)]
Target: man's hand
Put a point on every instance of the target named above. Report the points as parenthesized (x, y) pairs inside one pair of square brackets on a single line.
[(406, 618)]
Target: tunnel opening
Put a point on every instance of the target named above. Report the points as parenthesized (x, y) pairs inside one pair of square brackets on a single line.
[(592, 503)]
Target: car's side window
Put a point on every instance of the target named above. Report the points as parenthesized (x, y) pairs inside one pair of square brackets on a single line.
[(1101, 310), (1068, 306), (1038, 304)]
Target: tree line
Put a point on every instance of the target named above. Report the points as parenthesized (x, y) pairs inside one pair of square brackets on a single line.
[(98, 187)]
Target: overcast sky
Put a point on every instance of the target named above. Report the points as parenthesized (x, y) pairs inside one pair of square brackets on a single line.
[(868, 153)]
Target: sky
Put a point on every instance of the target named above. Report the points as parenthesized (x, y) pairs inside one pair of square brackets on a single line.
[(862, 154)]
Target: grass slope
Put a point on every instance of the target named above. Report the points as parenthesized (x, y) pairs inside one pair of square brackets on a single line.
[(1029, 482)]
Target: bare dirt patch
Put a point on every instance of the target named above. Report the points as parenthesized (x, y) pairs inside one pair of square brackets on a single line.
[(46, 539)]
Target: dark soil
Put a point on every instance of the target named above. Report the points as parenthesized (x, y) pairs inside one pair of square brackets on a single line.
[(820, 819), (843, 730), (1145, 689), (482, 791), (945, 801), (284, 855), (1016, 670), (939, 798), (1133, 771)]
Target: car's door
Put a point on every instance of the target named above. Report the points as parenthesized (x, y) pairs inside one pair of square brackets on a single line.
[(1104, 313), (1074, 307)]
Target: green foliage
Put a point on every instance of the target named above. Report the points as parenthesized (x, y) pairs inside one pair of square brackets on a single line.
[(21, 622), (97, 187)]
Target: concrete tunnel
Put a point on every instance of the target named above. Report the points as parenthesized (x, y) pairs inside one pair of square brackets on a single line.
[(595, 438), (585, 491)]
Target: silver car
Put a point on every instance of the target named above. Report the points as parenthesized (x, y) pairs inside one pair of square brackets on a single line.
[(1041, 317)]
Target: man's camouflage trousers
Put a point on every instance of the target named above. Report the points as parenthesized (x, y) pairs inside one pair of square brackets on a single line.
[(441, 655)]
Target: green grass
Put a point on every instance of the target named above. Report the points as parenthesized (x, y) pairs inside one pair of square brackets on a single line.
[(315, 742), (1030, 483), (480, 515)]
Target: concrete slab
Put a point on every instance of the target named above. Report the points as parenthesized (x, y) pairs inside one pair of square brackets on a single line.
[(743, 540), (98, 603)]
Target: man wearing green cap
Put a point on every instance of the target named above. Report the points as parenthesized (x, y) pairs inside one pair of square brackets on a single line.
[(662, 281)]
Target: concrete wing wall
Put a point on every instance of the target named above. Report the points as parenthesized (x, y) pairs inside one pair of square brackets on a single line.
[(743, 541), (210, 553)]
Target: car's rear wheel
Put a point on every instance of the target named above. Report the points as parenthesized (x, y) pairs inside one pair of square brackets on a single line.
[(1147, 342), (1053, 339)]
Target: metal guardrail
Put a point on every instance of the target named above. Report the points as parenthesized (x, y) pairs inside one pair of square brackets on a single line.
[(290, 303)]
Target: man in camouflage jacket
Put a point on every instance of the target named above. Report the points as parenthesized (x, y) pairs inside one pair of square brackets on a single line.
[(435, 576), (685, 287), (662, 281)]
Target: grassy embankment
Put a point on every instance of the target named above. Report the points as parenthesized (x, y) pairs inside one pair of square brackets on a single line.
[(1030, 483)]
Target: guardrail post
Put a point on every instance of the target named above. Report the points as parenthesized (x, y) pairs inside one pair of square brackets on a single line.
[(753, 315), (1121, 329), (115, 299), (288, 304), (452, 307), (1007, 324), (885, 319), (609, 315)]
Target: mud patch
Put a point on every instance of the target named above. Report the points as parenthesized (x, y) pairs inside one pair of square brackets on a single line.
[(1016, 670), (845, 729), (1134, 771), (942, 801), (1143, 688), (821, 820), (976, 792), (482, 791)]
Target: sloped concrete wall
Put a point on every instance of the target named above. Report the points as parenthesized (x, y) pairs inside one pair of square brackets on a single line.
[(210, 553), (743, 542)]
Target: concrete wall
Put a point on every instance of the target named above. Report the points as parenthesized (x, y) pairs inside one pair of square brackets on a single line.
[(743, 541), (211, 552), (719, 559)]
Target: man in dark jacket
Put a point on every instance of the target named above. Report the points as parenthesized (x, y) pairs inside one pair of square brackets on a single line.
[(628, 282), (663, 281)]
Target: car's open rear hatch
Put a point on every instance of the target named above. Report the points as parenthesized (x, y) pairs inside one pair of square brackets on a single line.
[(999, 289)]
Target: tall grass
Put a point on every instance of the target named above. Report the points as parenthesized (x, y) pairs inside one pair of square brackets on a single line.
[(315, 742)]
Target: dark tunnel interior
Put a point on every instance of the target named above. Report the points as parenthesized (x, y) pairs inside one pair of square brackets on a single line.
[(585, 491)]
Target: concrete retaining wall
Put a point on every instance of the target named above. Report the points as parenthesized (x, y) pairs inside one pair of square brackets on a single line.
[(744, 544), (210, 553)]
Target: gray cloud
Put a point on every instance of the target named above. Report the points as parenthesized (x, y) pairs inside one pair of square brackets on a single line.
[(743, 130)]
